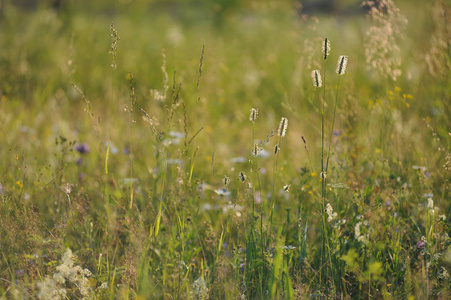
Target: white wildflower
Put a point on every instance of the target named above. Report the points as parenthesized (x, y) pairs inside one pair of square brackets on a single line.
[(199, 289), (55, 287), (331, 215), (430, 203)]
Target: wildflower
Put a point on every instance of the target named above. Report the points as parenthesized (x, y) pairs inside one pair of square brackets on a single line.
[(237, 160), (289, 247), (257, 198), (199, 289), (316, 77), (174, 161), (422, 168), (254, 115), (360, 237), (421, 244), (126, 150), (249, 185), (430, 203), (283, 125), (223, 192), (54, 287), (341, 65), (82, 148), (326, 48), (331, 215)]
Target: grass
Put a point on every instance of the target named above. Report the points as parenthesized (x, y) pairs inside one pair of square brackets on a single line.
[(134, 166)]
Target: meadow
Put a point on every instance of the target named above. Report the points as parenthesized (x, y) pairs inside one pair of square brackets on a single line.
[(225, 150)]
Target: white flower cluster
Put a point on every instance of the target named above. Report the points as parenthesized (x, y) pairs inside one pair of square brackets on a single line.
[(199, 289), (54, 287), (363, 238), (331, 215)]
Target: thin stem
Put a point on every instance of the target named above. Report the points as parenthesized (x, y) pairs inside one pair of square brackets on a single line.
[(333, 123)]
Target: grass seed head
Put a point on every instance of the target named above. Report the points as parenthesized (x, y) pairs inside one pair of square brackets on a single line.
[(316, 77), (341, 65), (326, 48), (242, 177), (283, 125), (254, 115)]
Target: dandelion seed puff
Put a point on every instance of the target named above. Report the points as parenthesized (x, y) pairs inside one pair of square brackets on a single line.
[(341, 65), (254, 115), (283, 125), (316, 77), (326, 48)]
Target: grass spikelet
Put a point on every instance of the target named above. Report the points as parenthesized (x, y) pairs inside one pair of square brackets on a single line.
[(316, 77), (242, 177), (254, 115), (283, 125), (326, 48), (341, 65)]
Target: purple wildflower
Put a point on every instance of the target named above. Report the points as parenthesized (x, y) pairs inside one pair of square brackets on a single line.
[(126, 150), (421, 244), (82, 148)]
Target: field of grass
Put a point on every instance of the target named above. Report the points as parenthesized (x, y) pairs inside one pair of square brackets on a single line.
[(182, 150)]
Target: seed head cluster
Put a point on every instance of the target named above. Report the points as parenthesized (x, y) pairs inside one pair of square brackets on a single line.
[(382, 52)]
